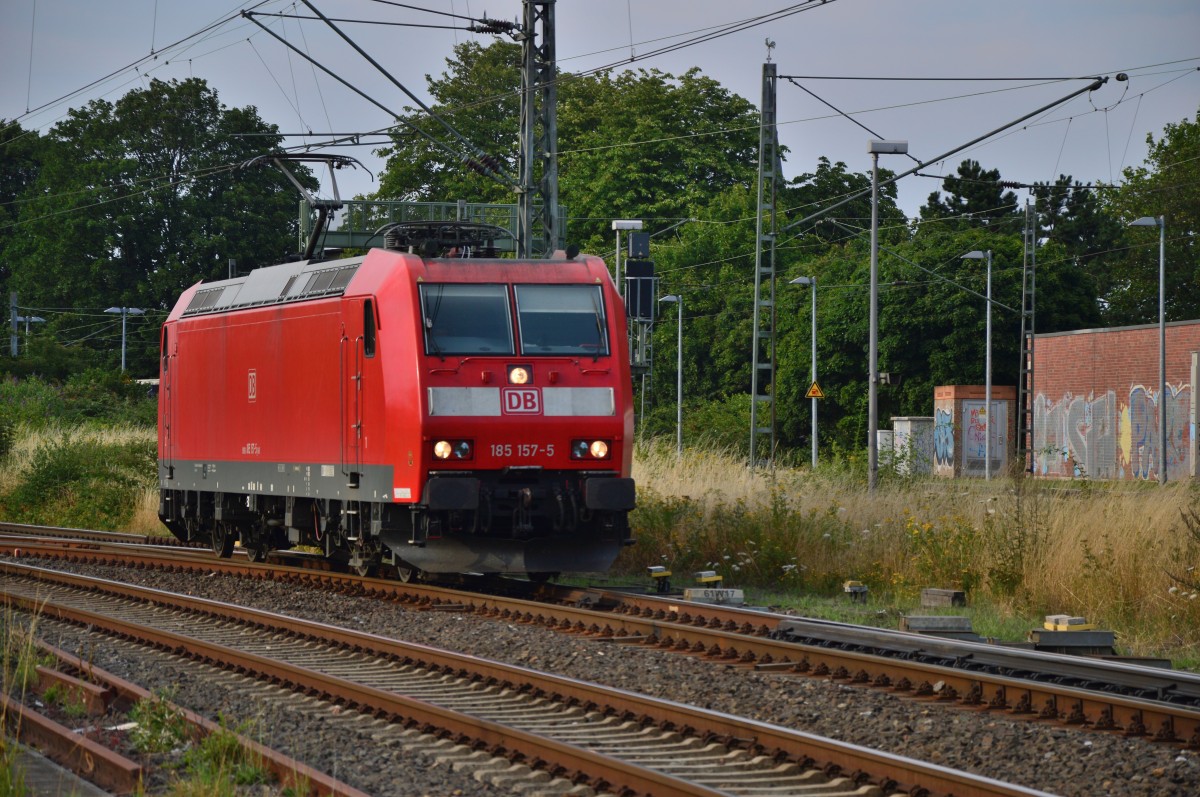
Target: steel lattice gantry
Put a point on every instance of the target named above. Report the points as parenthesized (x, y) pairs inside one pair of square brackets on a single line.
[(539, 231), (1025, 385), (762, 374)]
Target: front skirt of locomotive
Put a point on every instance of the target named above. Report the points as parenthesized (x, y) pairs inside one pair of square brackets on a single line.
[(457, 553), (517, 522)]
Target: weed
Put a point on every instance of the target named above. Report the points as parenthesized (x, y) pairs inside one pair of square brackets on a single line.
[(219, 763), (160, 727), (12, 774), (70, 700)]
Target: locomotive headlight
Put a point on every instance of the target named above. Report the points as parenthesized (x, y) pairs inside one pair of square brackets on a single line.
[(453, 449), (589, 449), (518, 375)]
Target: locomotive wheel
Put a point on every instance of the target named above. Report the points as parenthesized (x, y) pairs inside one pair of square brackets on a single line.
[(256, 552), (405, 573), (363, 569), (222, 540)]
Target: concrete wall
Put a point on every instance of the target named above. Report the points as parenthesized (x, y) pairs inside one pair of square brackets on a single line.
[(1096, 403)]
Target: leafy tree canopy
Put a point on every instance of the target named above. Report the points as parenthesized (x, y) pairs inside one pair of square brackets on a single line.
[(642, 143), (974, 193), (1167, 186), (137, 199)]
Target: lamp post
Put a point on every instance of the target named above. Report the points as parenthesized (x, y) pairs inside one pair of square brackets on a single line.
[(36, 319), (813, 282), (876, 148), (618, 225), (987, 367), (1161, 223), (124, 311), (677, 299)]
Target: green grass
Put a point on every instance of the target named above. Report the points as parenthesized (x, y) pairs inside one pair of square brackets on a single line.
[(218, 765)]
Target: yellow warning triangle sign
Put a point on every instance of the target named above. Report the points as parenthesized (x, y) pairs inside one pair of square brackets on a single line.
[(814, 391)]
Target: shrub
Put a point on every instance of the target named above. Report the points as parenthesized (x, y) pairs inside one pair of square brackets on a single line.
[(81, 481), (160, 726)]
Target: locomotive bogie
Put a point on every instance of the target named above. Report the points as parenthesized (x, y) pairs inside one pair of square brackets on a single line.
[(440, 415)]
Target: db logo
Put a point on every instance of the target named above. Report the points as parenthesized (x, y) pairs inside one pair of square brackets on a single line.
[(521, 401), (252, 385)]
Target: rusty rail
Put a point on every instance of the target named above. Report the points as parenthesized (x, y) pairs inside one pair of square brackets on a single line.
[(886, 770)]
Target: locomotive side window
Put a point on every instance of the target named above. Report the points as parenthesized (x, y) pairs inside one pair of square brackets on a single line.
[(562, 319), (368, 328), (466, 319)]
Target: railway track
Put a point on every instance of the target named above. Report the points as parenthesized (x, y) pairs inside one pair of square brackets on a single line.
[(1130, 700), (617, 741), (83, 750)]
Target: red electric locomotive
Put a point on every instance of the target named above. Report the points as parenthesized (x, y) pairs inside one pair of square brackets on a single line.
[(435, 414)]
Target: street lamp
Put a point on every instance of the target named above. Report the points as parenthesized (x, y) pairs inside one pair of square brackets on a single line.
[(813, 282), (36, 319), (987, 367), (1161, 224), (618, 225), (876, 148), (124, 311), (677, 299)]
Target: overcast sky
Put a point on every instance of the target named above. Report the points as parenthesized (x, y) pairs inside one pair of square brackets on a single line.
[(51, 48)]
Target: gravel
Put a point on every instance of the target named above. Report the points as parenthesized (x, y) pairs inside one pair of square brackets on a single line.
[(1025, 752)]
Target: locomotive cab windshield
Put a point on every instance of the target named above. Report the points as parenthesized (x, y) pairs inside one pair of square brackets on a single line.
[(561, 319), (552, 319), (466, 319)]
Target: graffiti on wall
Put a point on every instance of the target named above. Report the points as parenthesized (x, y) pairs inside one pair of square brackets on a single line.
[(1144, 443), (975, 436), (943, 438), (1102, 438)]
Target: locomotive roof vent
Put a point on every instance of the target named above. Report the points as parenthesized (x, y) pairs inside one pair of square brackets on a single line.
[(443, 238)]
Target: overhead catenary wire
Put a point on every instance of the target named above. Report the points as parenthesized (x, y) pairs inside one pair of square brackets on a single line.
[(754, 20)]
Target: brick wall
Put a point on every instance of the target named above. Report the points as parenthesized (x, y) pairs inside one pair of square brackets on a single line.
[(1096, 402)]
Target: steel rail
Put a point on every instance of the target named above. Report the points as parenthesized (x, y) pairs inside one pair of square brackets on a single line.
[(81, 755), (288, 771), (715, 632), (890, 771), (1044, 665)]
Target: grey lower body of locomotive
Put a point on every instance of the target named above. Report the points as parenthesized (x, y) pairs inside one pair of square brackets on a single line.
[(514, 521)]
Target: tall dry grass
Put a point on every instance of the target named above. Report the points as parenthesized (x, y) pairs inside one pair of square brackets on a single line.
[(27, 440), (1025, 548)]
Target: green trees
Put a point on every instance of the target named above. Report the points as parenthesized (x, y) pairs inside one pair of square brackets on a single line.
[(128, 203), (1168, 185), (647, 143), (137, 199), (974, 193)]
